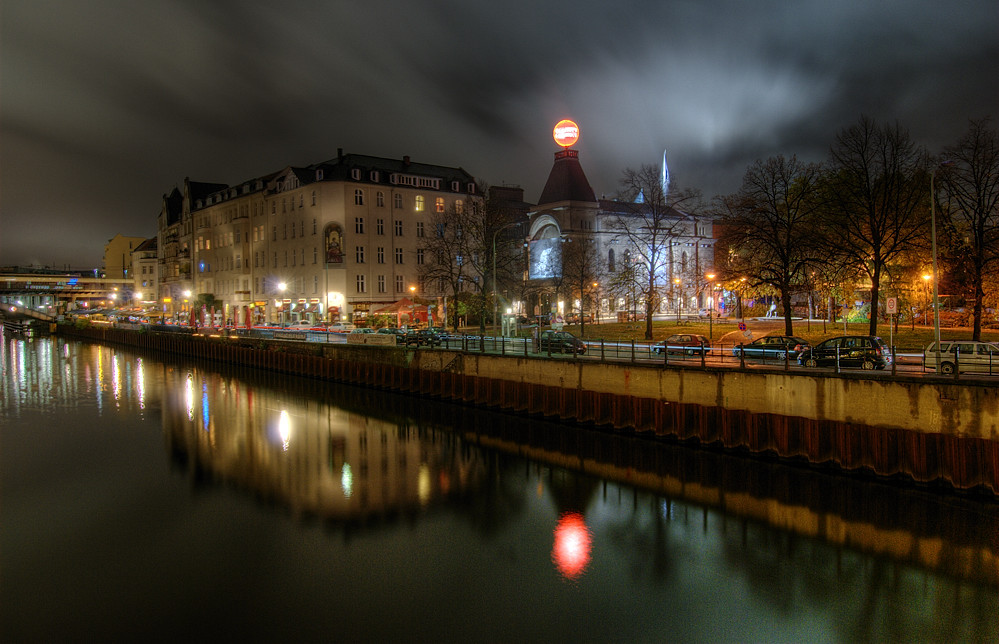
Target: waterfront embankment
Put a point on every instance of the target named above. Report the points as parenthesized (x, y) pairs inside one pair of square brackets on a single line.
[(926, 430)]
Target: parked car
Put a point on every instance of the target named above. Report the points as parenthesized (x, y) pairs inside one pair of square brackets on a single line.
[(966, 355), (687, 343), (424, 338), (304, 325), (552, 341), (341, 327), (772, 347), (864, 351), (400, 334)]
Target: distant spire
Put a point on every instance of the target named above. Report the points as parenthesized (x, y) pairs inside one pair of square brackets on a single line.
[(665, 178), (641, 196)]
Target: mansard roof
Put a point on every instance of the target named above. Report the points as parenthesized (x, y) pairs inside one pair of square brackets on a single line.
[(566, 181), (340, 167), (148, 245)]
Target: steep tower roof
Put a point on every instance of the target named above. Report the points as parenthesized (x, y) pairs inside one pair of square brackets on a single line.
[(566, 181)]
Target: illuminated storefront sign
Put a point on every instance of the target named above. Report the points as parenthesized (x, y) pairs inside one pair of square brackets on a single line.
[(566, 133)]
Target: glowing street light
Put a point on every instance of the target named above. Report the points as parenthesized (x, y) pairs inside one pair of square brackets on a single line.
[(933, 243)]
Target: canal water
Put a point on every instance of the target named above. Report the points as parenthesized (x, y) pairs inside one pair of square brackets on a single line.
[(155, 500)]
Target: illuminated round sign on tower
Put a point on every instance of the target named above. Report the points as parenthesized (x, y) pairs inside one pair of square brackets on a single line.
[(566, 133)]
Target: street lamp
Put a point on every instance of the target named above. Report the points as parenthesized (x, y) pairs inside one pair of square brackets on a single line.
[(933, 243), (926, 295), (495, 301), (711, 305), (596, 299), (679, 298), (281, 289)]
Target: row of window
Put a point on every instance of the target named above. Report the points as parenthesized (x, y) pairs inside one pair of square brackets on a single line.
[(419, 204), (360, 283)]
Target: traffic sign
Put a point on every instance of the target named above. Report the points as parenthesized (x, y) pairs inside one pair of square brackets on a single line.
[(892, 306), (742, 326)]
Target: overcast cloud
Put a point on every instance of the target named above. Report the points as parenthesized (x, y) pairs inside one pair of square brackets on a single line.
[(105, 106)]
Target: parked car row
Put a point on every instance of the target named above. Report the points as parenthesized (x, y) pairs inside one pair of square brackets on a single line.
[(862, 351)]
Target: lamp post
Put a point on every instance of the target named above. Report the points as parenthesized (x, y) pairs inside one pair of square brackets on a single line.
[(495, 301), (933, 243), (281, 288), (679, 298), (711, 305)]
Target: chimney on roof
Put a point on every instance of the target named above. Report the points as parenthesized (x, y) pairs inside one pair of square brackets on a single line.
[(405, 160)]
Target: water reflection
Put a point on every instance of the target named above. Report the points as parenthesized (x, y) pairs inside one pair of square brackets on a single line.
[(502, 512)]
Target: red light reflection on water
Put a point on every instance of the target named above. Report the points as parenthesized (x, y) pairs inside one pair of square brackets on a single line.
[(573, 542)]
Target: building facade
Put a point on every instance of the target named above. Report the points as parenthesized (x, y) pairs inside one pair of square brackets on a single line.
[(331, 241), (616, 232)]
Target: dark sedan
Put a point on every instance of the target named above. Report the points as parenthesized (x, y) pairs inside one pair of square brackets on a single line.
[(687, 343), (772, 347), (864, 351)]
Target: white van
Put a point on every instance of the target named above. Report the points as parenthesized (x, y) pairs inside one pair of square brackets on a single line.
[(966, 355)]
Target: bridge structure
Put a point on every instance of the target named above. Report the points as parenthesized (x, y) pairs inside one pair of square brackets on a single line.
[(47, 294)]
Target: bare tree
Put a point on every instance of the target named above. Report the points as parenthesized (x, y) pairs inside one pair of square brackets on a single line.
[(651, 221), (769, 225), (581, 269), (875, 200), (970, 182), (454, 254)]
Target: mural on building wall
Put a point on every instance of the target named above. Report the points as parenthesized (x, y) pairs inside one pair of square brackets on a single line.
[(334, 244)]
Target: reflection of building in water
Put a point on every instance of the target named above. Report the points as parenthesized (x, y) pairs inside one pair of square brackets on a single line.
[(310, 455), (45, 372)]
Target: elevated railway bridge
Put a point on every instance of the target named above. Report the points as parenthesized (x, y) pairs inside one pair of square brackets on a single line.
[(50, 294)]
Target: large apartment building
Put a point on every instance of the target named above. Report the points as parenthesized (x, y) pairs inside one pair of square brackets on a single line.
[(331, 241)]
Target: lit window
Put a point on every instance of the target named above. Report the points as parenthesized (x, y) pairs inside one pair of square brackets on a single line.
[(439, 204), (459, 206), (419, 203)]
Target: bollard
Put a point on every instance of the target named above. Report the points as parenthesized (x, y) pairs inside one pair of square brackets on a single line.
[(601, 350), (702, 354), (893, 360)]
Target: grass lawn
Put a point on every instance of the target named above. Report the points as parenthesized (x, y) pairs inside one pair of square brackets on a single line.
[(727, 333)]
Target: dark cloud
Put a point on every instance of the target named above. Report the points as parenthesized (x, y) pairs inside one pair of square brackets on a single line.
[(106, 105)]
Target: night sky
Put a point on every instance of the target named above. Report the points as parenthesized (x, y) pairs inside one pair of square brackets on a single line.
[(105, 106)]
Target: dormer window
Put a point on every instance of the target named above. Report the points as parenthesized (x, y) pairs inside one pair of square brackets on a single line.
[(374, 176), (319, 175), (471, 188), (355, 174), (455, 186)]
